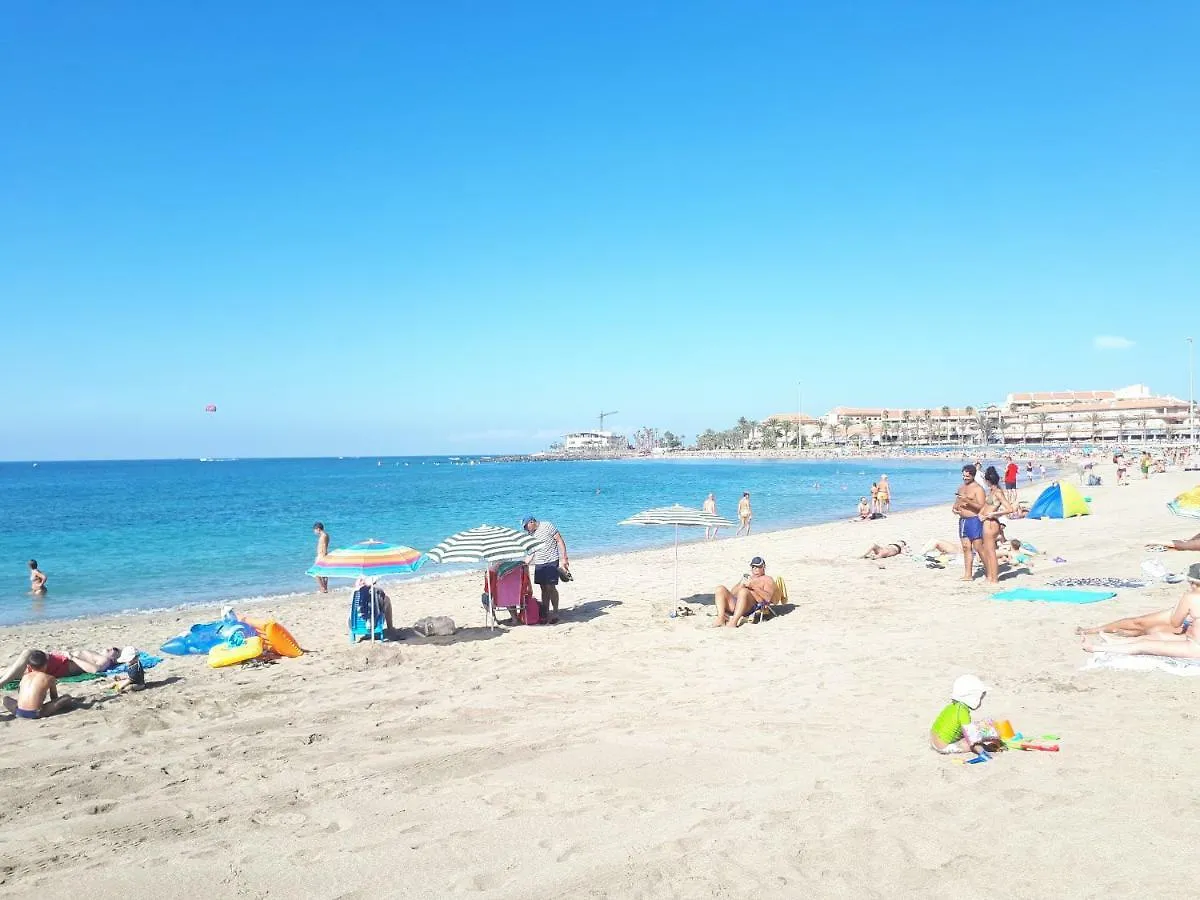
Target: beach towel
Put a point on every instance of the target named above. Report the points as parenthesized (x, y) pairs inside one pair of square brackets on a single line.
[(1115, 584), (1185, 667), (148, 662), (1059, 596)]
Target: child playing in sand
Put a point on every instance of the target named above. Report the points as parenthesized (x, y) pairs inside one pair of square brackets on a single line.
[(948, 734)]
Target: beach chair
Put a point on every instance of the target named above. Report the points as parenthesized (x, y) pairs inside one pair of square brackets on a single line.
[(507, 586), (366, 616), (763, 610)]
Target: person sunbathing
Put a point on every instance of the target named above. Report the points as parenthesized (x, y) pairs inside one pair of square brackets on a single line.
[(734, 605), (37, 696), (886, 551), (1191, 544), (69, 662), (1180, 641)]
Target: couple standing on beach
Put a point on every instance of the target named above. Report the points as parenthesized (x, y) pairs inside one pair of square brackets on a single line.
[(979, 526), (745, 514)]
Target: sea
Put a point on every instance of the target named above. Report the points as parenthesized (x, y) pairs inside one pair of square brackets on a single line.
[(157, 534)]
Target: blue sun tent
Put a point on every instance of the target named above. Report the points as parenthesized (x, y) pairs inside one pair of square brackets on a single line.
[(1059, 501)]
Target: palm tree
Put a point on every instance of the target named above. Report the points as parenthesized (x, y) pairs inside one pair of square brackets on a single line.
[(1121, 420), (1069, 429), (1094, 419), (970, 411), (903, 426), (1143, 418), (981, 420), (883, 427), (1025, 429), (1000, 425), (927, 415), (1041, 419)]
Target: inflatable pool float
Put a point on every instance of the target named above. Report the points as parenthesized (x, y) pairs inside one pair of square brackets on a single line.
[(231, 654), (203, 637), (277, 637)]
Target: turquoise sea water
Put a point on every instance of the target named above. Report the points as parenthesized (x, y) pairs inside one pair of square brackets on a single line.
[(116, 536)]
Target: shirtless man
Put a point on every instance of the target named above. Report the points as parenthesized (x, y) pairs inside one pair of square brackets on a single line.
[(36, 686), (322, 552), (733, 606), (1179, 640), (968, 501), (37, 579), (745, 514), (710, 507), (60, 665)]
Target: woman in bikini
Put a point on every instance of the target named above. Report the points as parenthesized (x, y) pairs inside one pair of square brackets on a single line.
[(886, 551), (995, 505), (883, 495), (1179, 640)]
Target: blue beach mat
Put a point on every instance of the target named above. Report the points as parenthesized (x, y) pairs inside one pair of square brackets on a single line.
[(1060, 596)]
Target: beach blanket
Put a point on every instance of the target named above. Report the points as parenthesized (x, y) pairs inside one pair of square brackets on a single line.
[(1115, 584), (1054, 596), (148, 662), (1185, 667)]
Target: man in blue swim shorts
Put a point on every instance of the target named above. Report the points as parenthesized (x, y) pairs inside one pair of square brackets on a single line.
[(969, 500)]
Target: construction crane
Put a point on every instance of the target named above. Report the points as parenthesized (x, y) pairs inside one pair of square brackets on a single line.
[(605, 415)]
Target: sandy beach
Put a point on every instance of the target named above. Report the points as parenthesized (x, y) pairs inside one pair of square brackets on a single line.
[(626, 753)]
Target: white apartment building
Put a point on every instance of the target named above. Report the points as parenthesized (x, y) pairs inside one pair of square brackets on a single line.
[(594, 442)]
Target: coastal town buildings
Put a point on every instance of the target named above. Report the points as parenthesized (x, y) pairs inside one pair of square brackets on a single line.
[(594, 442), (1129, 413)]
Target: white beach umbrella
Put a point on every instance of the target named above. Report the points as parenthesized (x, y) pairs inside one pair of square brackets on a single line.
[(680, 517)]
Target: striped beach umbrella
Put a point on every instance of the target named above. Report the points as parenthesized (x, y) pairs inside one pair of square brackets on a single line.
[(487, 542), (490, 543), (680, 517), (368, 559)]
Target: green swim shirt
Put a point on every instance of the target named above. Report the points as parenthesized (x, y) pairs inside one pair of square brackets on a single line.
[(948, 726)]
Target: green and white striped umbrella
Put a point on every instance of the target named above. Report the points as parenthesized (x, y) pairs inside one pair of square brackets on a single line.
[(487, 542), (680, 517)]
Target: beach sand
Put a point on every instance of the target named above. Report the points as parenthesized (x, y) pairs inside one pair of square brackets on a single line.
[(626, 753)]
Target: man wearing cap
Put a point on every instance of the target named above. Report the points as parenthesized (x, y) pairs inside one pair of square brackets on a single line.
[(549, 557), (734, 605)]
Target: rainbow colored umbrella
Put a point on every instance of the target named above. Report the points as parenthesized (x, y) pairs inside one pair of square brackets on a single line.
[(368, 559), (1187, 504)]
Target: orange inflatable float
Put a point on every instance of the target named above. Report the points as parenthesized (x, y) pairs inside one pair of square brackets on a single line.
[(276, 636)]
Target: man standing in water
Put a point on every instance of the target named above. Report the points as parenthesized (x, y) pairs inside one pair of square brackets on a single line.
[(969, 500), (322, 551), (549, 564), (745, 514)]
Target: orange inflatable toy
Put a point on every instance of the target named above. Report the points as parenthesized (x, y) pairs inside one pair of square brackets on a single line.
[(277, 637)]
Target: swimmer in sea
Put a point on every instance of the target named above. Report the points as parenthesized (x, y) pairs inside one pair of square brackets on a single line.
[(37, 579)]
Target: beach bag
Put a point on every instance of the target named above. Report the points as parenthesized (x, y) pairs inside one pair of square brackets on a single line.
[(435, 626)]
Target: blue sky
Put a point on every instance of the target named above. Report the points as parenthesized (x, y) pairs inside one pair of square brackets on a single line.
[(465, 227)]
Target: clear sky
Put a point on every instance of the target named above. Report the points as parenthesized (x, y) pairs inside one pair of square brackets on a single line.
[(383, 228)]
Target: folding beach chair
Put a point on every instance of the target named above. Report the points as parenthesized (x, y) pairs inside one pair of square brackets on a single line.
[(507, 586), (366, 615), (763, 610)]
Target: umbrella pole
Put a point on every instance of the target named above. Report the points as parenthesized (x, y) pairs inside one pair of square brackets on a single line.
[(676, 599)]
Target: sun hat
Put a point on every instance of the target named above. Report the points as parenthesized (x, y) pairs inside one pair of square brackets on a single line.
[(128, 655), (968, 689)]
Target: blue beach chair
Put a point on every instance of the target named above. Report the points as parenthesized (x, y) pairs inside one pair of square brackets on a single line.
[(366, 609)]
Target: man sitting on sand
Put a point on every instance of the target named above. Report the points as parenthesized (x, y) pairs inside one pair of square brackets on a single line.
[(71, 662), (1179, 640), (886, 551), (37, 684), (753, 589)]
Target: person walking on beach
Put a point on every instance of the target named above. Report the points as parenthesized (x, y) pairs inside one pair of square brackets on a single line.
[(37, 579), (549, 564), (322, 552), (710, 507), (1010, 477), (968, 501), (745, 514)]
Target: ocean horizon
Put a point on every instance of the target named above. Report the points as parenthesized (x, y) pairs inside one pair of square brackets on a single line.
[(135, 535)]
